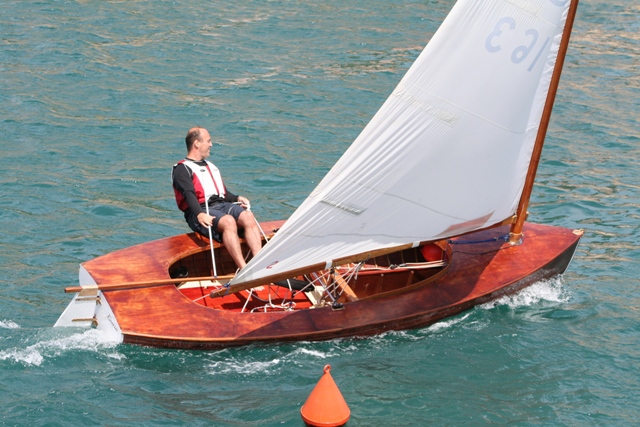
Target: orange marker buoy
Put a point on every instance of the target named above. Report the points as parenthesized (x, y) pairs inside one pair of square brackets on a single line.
[(325, 406)]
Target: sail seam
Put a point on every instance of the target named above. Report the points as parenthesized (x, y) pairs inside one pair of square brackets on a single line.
[(438, 113), (526, 6), (443, 115), (342, 206)]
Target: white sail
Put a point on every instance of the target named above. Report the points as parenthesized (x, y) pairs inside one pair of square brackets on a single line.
[(448, 151)]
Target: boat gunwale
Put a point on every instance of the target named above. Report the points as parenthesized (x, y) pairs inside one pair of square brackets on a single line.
[(433, 316), (443, 244), (363, 319)]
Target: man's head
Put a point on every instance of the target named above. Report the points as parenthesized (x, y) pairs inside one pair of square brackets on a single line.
[(198, 143)]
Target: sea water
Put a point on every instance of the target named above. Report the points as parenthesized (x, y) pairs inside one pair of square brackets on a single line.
[(95, 100)]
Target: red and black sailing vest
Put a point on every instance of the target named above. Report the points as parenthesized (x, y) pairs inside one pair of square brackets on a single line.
[(207, 182)]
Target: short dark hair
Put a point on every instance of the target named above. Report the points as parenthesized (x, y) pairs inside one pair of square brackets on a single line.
[(192, 136)]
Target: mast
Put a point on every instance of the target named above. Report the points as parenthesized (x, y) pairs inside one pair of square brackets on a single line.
[(515, 234)]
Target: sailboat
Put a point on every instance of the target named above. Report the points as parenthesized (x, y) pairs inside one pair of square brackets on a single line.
[(422, 218)]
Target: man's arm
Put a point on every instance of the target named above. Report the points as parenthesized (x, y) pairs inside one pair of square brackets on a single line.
[(184, 184), (229, 196)]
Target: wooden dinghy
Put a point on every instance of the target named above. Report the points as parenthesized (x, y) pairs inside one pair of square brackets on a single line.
[(137, 301), (407, 228)]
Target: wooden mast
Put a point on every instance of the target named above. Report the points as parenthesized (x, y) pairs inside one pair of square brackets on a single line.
[(515, 235)]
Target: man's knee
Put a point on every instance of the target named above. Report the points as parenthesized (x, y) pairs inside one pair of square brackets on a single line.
[(227, 223), (246, 219)]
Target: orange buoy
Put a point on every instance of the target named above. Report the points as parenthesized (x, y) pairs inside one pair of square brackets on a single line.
[(325, 406)]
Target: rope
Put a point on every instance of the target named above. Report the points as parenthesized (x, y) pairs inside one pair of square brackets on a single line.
[(472, 242), (213, 256), (284, 305)]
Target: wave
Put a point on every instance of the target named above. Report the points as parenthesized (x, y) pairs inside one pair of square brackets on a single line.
[(91, 340), (551, 290), (8, 324)]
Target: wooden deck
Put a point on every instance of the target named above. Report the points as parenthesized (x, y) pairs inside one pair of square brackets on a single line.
[(476, 273)]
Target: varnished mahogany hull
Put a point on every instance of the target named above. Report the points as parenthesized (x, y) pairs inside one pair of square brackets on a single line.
[(476, 273)]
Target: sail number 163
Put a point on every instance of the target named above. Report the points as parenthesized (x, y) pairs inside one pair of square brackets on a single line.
[(520, 53)]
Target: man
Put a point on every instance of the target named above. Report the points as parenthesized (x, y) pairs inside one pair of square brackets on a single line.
[(194, 181)]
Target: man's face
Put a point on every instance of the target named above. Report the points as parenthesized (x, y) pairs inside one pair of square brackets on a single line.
[(204, 144)]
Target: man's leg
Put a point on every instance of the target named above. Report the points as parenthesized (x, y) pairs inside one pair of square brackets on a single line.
[(229, 230), (252, 234)]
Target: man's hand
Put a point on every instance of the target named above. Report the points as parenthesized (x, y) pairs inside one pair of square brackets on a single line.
[(205, 220), (244, 202)]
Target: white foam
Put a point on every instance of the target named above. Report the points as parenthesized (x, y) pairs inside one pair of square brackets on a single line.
[(446, 324), (546, 290), (246, 367), (314, 353), (283, 359), (8, 324), (35, 354)]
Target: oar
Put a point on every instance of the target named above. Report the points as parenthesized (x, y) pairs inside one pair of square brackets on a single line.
[(148, 284)]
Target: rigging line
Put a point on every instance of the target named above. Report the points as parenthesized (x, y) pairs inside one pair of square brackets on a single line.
[(217, 288), (208, 295), (290, 306), (472, 242), (213, 256), (256, 219), (269, 302), (246, 257), (284, 305), (247, 301), (198, 299), (216, 291), (485, 252)]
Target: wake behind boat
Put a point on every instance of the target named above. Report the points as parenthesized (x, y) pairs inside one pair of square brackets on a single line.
[(377, 246)]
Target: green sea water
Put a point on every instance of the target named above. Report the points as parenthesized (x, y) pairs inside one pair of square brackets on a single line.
[(95, 100)]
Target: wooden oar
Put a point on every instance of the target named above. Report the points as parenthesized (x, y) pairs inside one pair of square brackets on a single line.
[(131, 285)]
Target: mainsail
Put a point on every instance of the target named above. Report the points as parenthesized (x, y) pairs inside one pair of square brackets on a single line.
[(448, 151)]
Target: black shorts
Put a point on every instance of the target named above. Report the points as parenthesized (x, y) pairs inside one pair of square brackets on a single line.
[(218, 209)]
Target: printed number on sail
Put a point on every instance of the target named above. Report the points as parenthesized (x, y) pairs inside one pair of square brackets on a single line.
[(521, 52)]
